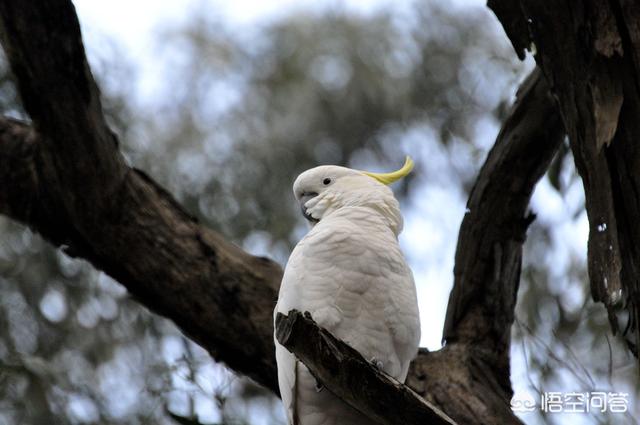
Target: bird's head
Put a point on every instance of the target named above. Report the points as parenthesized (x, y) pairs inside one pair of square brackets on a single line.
[(328, 188)]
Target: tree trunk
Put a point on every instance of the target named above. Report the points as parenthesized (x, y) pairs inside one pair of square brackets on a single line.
[(589, 52), (65, 178)]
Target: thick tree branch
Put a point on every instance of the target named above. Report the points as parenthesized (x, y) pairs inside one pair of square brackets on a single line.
[(488, 256), (588, 52), (44, 47), (68, 181), (487, 268), (344, 372), (218, 295)]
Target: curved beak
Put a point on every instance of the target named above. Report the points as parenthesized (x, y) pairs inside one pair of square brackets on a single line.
[(306, 196)]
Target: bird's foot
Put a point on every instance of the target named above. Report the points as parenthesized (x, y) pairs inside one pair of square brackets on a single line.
[(377, 363), (319, 386)]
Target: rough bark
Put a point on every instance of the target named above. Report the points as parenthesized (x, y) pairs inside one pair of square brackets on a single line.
[(589, 53), (487, 267), (66, 179), (343, 371)]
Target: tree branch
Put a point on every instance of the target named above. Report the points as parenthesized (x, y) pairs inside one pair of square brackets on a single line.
[(344, 372), (44, 47), (68, 181), (489, 251), (219, 296), (475, 360), (589, 54)]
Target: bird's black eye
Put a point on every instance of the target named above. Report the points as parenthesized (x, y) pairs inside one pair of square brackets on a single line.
[(326, 181)]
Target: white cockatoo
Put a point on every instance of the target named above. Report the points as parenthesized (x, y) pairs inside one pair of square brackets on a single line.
[(350, 274)]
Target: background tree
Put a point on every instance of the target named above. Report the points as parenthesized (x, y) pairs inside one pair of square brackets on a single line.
[(332, 88)]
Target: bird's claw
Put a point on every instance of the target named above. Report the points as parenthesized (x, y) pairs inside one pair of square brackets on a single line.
[(319, 386), (377, 363)]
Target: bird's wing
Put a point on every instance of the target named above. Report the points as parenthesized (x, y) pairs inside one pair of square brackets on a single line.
[(287, 362), (356, 284), (287, 380), (403, 320)]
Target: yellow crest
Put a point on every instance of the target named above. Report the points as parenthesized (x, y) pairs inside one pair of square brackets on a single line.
[(388, 178)]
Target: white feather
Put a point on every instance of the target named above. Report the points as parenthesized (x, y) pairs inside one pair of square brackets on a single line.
[(350, 274)]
